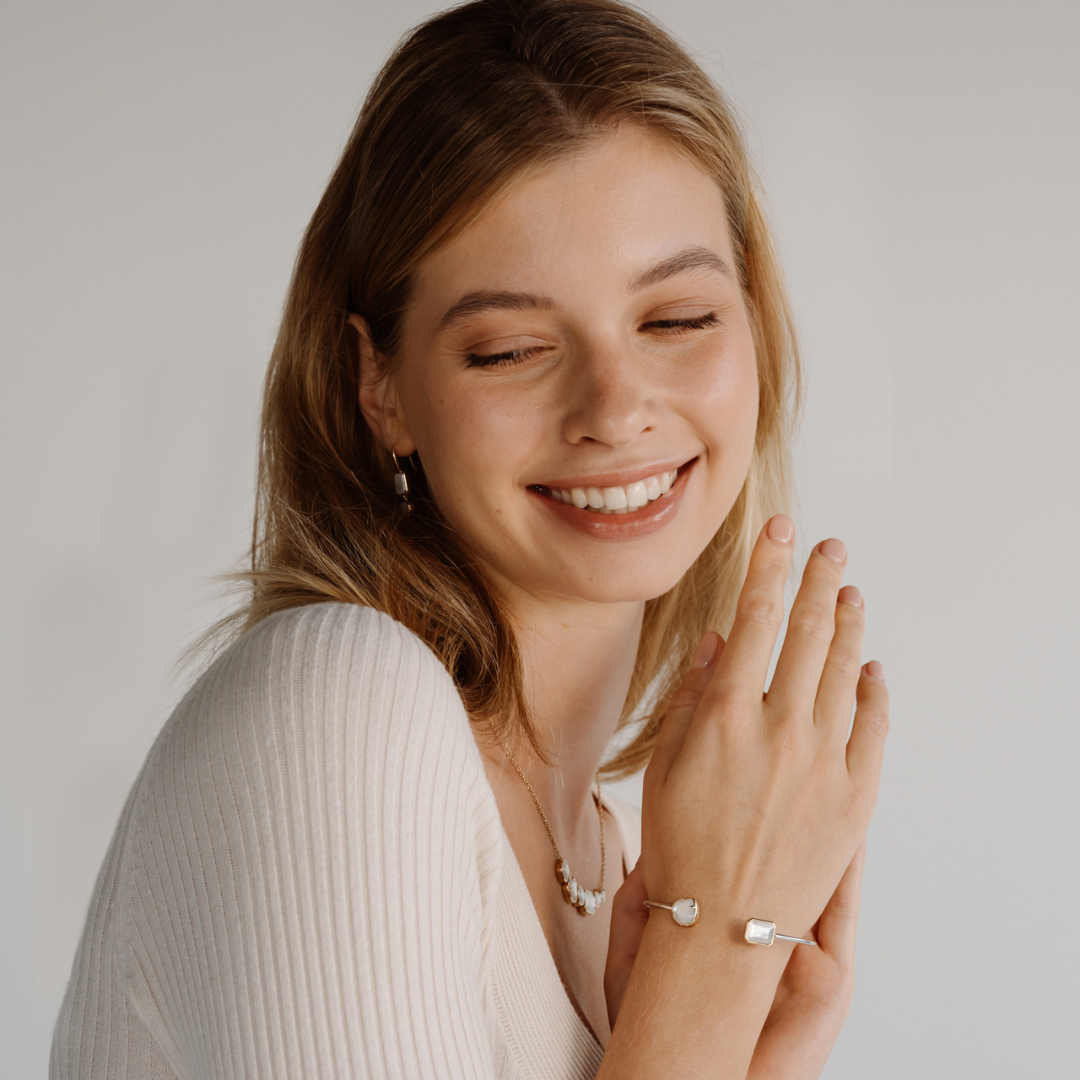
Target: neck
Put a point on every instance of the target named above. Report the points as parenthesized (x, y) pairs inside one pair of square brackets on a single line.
[(578, 659)]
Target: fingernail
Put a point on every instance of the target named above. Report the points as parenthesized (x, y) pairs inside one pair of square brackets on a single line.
[(781, 528), (706, 651), (850, 595), (833, 549), (874, 669)]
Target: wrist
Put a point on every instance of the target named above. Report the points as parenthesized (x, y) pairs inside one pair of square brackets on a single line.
[(697, 995)]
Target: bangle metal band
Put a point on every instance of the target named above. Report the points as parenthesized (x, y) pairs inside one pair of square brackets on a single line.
[(685, 912), (760, 932)]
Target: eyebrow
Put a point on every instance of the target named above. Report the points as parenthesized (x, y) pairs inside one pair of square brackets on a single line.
[(697, 258), (474, 302), (691, 259)]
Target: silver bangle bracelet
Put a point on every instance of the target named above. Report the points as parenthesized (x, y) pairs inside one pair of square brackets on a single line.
[(758, 931)]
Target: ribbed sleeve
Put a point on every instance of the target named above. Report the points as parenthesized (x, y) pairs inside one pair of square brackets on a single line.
[(303, 880)]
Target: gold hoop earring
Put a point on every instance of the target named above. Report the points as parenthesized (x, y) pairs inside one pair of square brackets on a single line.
[(401, 485)]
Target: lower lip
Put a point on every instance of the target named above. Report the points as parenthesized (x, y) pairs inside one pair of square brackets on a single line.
[(632, 525)]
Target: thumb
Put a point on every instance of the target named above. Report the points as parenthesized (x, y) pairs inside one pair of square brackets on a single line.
[(629, 917), (836, 927)]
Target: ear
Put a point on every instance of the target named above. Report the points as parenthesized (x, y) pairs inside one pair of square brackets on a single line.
[(376, 396)]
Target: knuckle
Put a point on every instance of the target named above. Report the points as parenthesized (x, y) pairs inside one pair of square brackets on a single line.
[(813, 622), (863, 800), (876, 720), (789, 738), (822, 769), (846, 666), (730, 705), (858, 804), (761, 609), (849, 613), (684, 697), (881, 695), (822, 565)]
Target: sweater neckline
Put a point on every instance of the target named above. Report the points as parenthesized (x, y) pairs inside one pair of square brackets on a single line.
[(541, 986)]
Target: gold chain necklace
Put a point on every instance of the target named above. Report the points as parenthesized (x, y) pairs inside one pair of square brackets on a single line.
[(587, 901)]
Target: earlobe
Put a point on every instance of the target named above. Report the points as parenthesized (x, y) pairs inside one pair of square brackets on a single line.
[(375, 393)]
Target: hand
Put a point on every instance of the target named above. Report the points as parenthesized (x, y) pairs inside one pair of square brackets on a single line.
[(629, 915), (756, 803), (814, 993)]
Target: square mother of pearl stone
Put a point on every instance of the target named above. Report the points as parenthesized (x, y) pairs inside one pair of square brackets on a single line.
[(760, 932)]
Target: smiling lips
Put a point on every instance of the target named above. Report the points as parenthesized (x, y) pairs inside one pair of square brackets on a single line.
[(614, 500), (618, 512)]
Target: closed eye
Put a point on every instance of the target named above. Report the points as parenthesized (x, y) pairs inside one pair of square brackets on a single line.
[(511, 356), (699, 322), (518, 356)]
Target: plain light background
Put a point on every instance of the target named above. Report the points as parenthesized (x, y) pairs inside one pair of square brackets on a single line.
[(921, 162)]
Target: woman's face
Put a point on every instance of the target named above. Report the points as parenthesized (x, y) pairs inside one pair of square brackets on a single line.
[(584, 340)]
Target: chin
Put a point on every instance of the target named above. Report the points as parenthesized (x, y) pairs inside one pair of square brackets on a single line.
[(582, 569), (616, 593), (631, 581)]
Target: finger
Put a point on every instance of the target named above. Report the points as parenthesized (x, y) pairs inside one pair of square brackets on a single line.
[(758, 615), (684, 701), (836, 692), (810, 630), (836, 927), (867, 741), (629, 917)]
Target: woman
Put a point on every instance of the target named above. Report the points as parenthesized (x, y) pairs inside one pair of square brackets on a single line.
[(524, 445)]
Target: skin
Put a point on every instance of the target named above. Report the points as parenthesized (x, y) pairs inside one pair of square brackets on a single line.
[(626, 350)]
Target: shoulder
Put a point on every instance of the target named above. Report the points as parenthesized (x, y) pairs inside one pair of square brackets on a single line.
[(310, 669), (337, 628), (324, 702), (322, 645), (318, 720), (316, 803)]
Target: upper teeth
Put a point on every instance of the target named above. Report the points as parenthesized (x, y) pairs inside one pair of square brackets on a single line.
[(618, 500)]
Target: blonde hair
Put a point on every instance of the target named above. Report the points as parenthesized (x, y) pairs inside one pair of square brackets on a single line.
[(467, 101)]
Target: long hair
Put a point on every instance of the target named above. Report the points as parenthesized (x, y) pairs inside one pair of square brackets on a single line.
[(466, 103)]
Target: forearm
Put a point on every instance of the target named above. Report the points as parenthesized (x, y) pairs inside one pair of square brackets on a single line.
[(694, 1006)]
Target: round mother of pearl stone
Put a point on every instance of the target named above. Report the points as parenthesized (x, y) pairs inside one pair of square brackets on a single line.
[(590, 903), (572, 889), (685, 912)]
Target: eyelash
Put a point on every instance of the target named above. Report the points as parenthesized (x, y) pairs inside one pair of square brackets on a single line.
[(516, 356), (697, 323)]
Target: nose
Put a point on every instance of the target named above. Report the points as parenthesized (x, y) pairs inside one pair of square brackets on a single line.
[(609, 398)]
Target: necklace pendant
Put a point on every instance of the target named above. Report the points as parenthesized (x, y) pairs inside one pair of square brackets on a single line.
[(587, 901)]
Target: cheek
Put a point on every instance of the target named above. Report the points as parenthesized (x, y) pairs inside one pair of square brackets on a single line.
[(468, 443), (725, 398)]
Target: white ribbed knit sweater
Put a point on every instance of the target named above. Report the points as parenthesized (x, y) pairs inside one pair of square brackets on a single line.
[(310, 881)]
